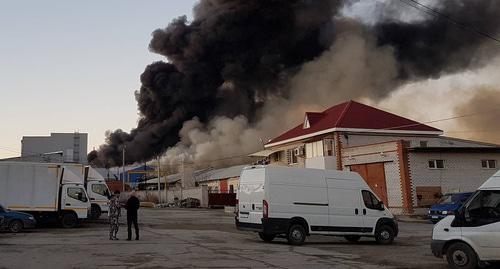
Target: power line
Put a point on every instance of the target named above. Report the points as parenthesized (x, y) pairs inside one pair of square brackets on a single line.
[(436, 13)]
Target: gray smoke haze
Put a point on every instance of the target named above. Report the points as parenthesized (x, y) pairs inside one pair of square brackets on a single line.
[(484, 107), (242, 71)]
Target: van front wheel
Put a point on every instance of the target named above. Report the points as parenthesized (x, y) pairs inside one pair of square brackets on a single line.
[(296, 235), (460, 255), (384, 235), (267, 237)]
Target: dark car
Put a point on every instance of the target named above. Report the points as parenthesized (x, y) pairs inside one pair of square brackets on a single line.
[(447, 205), (15, 221)]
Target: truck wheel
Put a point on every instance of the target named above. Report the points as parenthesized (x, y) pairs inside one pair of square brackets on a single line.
[(352, 238), (69, 220), (16, 226), (384, 235), (95, 212), (461, 256), (296, 235), (267, 237)]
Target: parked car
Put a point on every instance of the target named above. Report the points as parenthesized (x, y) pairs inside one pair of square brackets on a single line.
[(15, 221), (447, 205), (472, 237), (296, 202)]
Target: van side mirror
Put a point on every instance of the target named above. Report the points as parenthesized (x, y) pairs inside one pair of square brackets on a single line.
[(381, 205)]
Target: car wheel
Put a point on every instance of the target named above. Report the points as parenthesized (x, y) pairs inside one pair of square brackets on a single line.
[(461, 256), (69, 220), (384, 235), (16, 226), (296, 235), (267, 237), (352, 238), (95, 212)]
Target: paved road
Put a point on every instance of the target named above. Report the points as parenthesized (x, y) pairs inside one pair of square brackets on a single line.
[(194, 238)]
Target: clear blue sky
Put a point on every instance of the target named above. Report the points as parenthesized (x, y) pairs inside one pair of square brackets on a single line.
[(74, 65)]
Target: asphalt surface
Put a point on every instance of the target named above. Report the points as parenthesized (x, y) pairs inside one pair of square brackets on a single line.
[(202, 238)]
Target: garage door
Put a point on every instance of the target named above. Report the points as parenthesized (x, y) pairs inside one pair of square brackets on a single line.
[(374, 175)]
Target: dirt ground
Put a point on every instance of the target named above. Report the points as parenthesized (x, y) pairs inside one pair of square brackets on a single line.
[(202, 238)]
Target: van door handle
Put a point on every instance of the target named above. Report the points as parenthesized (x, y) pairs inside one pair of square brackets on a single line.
[(356, 211), (364, 211), (68, 204), (253, 206), (92, 199), (446, 229)]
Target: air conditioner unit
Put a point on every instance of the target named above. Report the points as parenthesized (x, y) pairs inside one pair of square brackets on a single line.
[(299, 151)]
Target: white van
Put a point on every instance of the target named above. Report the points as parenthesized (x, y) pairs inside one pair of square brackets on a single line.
[(472, 236), (296, 202)]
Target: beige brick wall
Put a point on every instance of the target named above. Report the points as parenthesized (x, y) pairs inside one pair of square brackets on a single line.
[(462, 172)]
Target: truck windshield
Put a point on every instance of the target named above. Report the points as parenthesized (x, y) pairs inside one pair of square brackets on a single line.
[(78, 194), (446, 200), (100, 189)]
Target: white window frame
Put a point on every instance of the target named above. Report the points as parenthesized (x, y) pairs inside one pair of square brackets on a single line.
[(488, 166), (435, 161)]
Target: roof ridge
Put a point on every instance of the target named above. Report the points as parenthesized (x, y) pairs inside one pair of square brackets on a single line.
[(344, 111)]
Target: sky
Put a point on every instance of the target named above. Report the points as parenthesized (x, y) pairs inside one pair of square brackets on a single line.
[(69, 66)]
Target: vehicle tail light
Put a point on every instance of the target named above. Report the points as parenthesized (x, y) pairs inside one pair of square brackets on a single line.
[(265, 209)]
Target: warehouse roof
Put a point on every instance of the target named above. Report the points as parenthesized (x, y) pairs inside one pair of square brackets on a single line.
[(352, 116)]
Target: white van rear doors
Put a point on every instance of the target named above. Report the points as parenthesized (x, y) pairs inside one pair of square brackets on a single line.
[(251, 195)]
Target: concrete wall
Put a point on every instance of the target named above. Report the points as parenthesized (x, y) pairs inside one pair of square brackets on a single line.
[(462, 171), (200, 193), (73, 145)]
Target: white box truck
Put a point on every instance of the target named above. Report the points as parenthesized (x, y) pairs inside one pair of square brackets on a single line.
[(297, 202), (49, 192), (96, 187), (471, 237)]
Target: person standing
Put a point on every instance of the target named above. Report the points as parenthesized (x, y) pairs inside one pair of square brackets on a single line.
[(132, 206), (114, 213)]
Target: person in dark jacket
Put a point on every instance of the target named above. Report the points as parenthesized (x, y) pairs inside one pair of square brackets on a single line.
[(132, 206)]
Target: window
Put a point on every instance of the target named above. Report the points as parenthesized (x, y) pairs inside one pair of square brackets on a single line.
[(484, 208), (436, 164), (78, 194), (314, 149), (371, 201), (277, 156), (231, 188), (100, 189), (328, 147), (489, 164), (292, 156)]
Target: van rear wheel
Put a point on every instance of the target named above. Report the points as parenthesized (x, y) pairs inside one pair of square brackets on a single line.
[(267, 237), (352, 238), (296, 235), (384, 235), (460, 255)]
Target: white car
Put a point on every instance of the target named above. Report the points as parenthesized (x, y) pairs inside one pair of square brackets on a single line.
[(297, 202), (471, 237)]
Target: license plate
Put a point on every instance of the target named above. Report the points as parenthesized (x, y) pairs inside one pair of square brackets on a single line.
[(434, 217)]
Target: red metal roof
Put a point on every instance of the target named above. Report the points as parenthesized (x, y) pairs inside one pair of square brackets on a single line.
[(353, 115)]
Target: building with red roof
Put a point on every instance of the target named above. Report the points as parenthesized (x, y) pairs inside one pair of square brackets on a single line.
[(408, 164)]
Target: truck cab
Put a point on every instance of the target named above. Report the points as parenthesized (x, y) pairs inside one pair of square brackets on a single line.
[(472, 236), (75, 204)]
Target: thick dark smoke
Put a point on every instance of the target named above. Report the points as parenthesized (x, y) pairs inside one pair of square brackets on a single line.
[(236, 55)]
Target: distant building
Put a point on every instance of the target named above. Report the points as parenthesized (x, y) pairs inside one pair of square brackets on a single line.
[(72, 147), (407, 164)]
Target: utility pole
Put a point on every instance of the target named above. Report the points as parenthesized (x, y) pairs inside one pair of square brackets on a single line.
[(159, 183), (123, 165)]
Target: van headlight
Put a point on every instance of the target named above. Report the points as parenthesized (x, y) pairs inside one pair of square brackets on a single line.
[(444, 212), (31, 218)]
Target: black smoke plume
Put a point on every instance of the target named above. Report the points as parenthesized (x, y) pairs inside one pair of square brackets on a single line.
[(235, 55)]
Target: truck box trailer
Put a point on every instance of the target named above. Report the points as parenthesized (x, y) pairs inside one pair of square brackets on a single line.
[(47, 191)]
